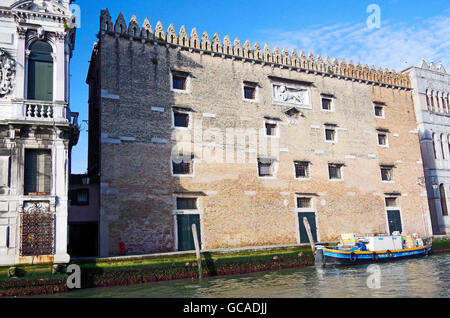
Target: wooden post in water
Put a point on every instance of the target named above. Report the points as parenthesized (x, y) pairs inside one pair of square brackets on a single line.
[(308, 231), (197, 250)]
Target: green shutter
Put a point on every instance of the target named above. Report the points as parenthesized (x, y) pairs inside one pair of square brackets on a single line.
[(38, 171), (47, 172), (30, 171), (40, 79)]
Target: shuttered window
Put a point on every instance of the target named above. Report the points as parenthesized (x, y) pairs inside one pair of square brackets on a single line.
[(443, 200), (40, 72), (335, 171), (302, 169), (265, 167), (303, 203), (181, 119), (186, 203), (4, 171), (387, 173), (249, 92), (326, 104), (38, 172), (79, 197), (271, 129)]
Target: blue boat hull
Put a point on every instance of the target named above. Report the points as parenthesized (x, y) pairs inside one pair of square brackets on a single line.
[(327, 256)]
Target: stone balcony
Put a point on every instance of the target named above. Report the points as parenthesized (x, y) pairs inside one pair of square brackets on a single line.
[(36, 111)]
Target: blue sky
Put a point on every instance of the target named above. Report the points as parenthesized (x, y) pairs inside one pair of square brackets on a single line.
[(410, 30)]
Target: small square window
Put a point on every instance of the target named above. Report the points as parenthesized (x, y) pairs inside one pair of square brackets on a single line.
[(335, 171), (326, 104), (186, 203), (379, 111), (330, 134), (181, 119), (382, 139), (265, 167), (301, 169), (179, 81), (271, 129), (250, 92), (184, 167), (387, 173), (391, 202), (304, 203), (79, 197)]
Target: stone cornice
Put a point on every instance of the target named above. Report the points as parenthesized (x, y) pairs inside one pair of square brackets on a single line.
[(26, 14)]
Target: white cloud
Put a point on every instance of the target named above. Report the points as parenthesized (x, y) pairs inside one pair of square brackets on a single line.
[(394, 45)]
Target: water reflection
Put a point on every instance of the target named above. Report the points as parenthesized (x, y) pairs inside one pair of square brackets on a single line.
[(427, 277)]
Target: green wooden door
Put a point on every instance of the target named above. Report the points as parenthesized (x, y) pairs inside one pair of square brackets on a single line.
[(395, 221), (311, 216), (185, 239), (40, 78)]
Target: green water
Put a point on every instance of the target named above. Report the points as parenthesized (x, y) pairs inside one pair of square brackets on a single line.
[(425, 277)]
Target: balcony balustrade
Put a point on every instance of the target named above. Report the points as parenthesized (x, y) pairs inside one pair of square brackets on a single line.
[(39, 111), (36, 111)]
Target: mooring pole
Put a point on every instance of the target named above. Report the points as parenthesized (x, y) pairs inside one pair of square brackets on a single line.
[(197, 250), (308, 231)]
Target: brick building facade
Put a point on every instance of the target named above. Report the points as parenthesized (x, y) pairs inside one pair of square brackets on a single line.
[(244, 143)]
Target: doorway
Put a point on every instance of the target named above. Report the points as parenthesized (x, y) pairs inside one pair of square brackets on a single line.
[(184, 227), (311, 217), (394, 221)]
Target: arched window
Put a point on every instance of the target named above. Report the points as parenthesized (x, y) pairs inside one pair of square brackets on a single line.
[(448, 102), (427, 93), (40, 72), (432, 101), (445, 102), (442, 146), (444, 106), (438, 106), (433, 137), (448, 144), (443, 200)]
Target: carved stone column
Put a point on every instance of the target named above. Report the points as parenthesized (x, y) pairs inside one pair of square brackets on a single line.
[(21, 64)]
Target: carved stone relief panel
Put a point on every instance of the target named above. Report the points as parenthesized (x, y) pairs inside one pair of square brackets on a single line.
[(7, 71), (291, 95)]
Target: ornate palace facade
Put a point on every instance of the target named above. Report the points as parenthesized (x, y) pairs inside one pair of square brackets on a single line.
[(431, 85), (37, 130)]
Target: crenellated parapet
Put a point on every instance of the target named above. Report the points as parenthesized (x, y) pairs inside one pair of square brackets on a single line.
[(235, 50), (432, 67)]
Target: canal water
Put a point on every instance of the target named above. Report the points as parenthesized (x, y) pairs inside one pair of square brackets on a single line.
[(425, 277)]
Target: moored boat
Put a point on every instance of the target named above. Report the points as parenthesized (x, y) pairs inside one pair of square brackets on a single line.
[(371, 249)]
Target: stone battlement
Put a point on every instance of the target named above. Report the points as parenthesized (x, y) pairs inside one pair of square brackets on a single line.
[(235, 50)]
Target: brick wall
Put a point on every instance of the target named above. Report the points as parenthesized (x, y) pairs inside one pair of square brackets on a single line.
[(238, 208)]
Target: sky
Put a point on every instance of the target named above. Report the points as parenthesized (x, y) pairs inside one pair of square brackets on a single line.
[(408, 31)]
